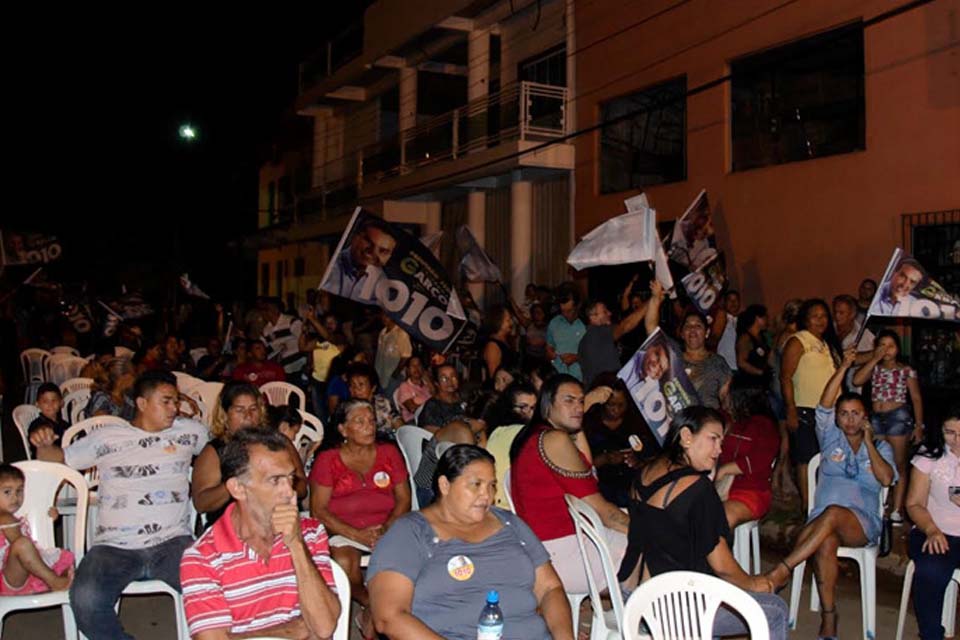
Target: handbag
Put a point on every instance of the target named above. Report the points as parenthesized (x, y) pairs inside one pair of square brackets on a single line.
[(886, 537)]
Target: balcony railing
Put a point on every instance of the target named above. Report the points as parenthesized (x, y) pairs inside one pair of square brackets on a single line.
[(336, 52), (523, 111)]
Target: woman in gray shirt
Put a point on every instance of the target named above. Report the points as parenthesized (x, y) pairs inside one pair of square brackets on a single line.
[(429, 575)]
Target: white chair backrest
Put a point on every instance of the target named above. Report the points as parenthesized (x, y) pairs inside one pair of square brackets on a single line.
[(278, 394), (416, 414), (73, 405), (81, 429), (34, 364), (23, 415), (506, 491), (683, 604), (411, 441), (310, 431), (587, 522), (342, 630), (812, 471), (395, 398), (206, 394), (64, 349), (63, 366), (196, 354), (186, 382), (40, 493), (76, 384)]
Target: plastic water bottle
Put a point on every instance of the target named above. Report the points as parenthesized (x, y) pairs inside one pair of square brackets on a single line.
[(490, 626)]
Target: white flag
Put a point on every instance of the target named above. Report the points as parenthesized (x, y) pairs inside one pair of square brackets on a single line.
[(630, 237)]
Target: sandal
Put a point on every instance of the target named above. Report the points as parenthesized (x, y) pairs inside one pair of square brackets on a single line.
[(781, 587), (828, 612)]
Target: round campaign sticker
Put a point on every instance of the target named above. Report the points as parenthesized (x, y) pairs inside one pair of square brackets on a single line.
[(837, 455), (460, 568), (381, 479)]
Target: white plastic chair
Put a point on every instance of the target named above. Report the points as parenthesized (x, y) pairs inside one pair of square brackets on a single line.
[(278, 394), (207, 394), (196, 354), (949, 619), (65, 349), (683, 604), (33, 362), (43, 480), (60, 367), (155, 587), (76, 384), (506, 491), (67, 505), (411, 439), (23, 415), (865, 557), (310, 431), (606, 625), (73, 405), (342, 630), (746, 546)]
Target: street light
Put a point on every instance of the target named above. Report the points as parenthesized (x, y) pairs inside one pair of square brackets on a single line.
[(187, 132)]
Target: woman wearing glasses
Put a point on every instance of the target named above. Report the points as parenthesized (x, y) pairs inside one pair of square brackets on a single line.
[(239, 406), (357, 491), (853, 470)]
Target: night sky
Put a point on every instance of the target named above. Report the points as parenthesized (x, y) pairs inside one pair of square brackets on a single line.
[(95, 115)]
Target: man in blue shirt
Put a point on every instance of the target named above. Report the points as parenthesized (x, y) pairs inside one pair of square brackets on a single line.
[(565, 332)]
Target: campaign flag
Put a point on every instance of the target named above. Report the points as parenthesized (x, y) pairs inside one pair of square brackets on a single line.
[(908, 291), (476, 265), (661, 267), (18, 248), (658, 383), (191, 288), (627, 238), (432, 241), (693, 243), (377, 263), (704, 285)]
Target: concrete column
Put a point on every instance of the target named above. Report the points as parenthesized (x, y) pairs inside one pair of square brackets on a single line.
[(433, 217), (407, 106), (521, 235), (476, 220), (478, 83)]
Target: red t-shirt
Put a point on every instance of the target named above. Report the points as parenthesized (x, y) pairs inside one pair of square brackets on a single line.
[(538, 488), (752, 444), (260, 373), (361, 501)]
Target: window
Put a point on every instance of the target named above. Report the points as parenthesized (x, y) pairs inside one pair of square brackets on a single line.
[(801, 101), (279, 278), (645, 141), (298, 266), (549, 67)]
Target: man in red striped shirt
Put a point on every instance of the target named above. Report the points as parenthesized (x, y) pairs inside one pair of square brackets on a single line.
[(261, 569)]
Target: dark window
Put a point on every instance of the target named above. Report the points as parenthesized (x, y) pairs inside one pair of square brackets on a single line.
[(298, 267), (549, 67), (645, 141), (279, 278), (800, 101)]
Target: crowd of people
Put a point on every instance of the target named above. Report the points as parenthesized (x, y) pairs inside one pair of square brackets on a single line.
[(530, 413)]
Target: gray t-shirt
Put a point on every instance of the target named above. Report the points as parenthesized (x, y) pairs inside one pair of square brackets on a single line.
[(451, 578), (144, 487), (708, 377), (598, 353)]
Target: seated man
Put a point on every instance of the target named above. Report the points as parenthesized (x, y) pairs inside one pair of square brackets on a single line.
[(144, 514), (261, 569)]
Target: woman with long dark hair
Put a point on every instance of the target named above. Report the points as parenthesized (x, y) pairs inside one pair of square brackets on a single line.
[(809, 359), (677, 522)]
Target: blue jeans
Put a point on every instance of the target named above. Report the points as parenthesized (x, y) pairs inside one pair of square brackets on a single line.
[(896, 422), (933, 572), (727, 623), (106, 571)]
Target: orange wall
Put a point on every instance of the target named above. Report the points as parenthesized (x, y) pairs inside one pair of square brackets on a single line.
[(813, 228)]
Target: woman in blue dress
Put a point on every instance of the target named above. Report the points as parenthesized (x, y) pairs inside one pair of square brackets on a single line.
[(846, 510)]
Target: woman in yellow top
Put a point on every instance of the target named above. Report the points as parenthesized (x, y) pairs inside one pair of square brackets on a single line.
[(810, 358)]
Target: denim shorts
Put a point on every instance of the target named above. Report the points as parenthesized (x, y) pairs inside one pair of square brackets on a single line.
[(898, 422)]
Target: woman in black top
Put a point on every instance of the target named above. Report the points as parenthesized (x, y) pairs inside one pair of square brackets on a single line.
[(753, 352), (619, 439), (497, 352), (677, 522)]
